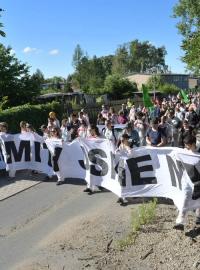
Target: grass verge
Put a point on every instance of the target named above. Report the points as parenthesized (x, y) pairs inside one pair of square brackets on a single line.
[(143, 215)]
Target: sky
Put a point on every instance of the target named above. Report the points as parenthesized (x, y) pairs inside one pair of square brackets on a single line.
[(44, 33)]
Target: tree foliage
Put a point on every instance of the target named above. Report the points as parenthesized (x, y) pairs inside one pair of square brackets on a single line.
[(91, 73), (115, 85), (188, 13), (16, 84), (2, 33)]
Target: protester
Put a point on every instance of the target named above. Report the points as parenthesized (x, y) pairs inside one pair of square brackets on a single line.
[(124, 145), (100, 119), (155, 135), (55, 134), (82, 130), (190, 145), (141, 128), (3, 128), (134, 139), (65, 133), (22, 125), (113, 116), (45, 131), (56, 122), (109, 132), (175, 124), (122, 119)]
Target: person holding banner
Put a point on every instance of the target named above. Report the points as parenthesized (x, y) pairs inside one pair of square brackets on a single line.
[(155, 135), (93, 134), (190, 145)]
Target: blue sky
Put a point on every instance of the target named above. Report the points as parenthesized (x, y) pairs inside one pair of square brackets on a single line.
[(45, 33)]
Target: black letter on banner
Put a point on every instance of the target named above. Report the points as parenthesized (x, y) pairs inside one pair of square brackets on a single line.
[(98, 161), (11, 148), (81, 162), (49, 160), (135, 171), (37, 152), (121, 173), (113, 167), (193, 173), (56, 156), (173, 169)]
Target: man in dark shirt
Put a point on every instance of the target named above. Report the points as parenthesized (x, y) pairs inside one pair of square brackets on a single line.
[(155, 135)]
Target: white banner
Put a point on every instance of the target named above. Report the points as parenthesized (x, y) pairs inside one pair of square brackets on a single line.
[(26, 151), (146, 172)]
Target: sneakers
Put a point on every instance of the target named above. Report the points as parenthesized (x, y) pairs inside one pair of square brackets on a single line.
[(122, 202), (179, 227), (197, 222), (58, 183), (88, 190)]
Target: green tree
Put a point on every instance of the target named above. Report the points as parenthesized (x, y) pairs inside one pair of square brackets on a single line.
[(144, 56), (117, 85), (154, 82), (167, 88), (2, 33), (188, 13), (77, 56), (120, 61), (15, 83), (68, 85)]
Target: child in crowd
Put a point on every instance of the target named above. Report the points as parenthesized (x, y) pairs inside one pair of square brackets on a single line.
[(65, 133), (45, 132), (3, 128), (56, 122), (124, 145), (108, 132), (82, 130), (22, 125)]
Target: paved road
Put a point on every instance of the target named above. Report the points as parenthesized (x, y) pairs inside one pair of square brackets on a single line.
[(32, 215)]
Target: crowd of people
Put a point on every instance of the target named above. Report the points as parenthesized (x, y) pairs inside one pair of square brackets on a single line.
[(170, 122)]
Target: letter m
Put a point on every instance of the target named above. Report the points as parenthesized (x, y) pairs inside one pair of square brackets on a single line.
[(23, 147)]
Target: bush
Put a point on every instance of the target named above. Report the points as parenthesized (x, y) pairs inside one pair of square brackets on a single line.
[(115, 85), (33, 114)]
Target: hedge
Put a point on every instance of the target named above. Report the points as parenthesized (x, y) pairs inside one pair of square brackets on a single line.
[(33, 114)]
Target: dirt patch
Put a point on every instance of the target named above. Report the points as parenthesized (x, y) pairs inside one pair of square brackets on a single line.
[(92, 242)]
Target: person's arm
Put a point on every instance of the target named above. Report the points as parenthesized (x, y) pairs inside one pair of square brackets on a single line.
[(148, 139), (163, 142), (163, 139)]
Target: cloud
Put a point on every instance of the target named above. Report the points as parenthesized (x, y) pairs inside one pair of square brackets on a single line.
[(29, 50), (54, 52)]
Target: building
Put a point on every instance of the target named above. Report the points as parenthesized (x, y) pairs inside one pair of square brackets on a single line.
[(180, 80)]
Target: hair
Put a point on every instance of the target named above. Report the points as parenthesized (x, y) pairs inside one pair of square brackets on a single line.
[(4, 125), (140, 115), (57, 131), (64, 120), (155, 121), (95, 129), (30, 127), (22, 124), (189, 139), (125, 136)]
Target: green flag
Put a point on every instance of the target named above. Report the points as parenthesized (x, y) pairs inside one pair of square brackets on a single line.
[(146, 98), (184, 96)]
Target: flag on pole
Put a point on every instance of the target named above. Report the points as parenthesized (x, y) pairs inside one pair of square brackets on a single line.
[(146, 98), (184, 96)]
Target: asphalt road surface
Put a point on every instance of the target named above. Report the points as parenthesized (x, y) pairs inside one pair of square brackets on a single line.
[(30, 216)]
